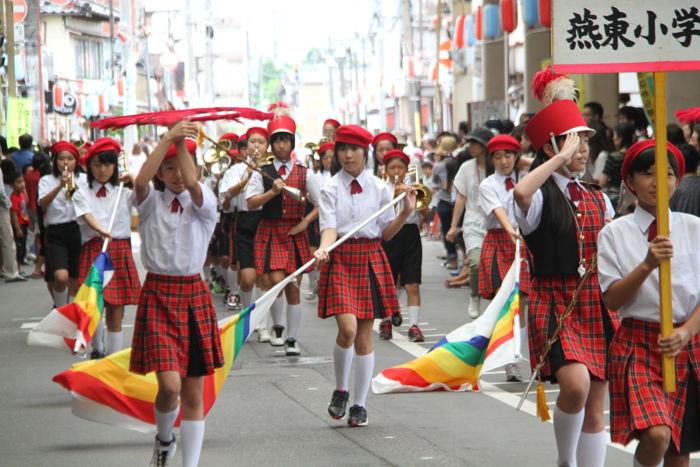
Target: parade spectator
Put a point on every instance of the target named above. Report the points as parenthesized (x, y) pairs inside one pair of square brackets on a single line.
[(443, 188), (637, 117), (611, 178), (687, 196), (31, 183), (8, 172), (695, 137), (19, 217), (508, 126), (3, 146), (674, 134), (7, 245), (23, 157), (592, 112), (600, 148)]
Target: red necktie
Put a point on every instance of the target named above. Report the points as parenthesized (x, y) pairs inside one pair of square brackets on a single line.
[(651, 235), (574, 192), (355, 187), (509, 184), (102, 192), (282, 171), (175, 206)]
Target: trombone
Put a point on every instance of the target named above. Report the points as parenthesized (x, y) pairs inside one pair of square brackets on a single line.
[(294, 193), (219, 158), (71, 186)]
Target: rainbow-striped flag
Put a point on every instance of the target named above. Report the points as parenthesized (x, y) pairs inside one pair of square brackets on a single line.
[(71, 327), (458, 360), (105, 391)]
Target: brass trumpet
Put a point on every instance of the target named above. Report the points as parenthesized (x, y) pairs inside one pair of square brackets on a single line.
[(219, 158), (423, 194), (71, 186)]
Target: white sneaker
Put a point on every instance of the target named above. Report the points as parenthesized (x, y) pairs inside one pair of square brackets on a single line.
[(474, 308), (513, 373), (163, 454), (276, 339), (291, 347), (311, 293), (264, 335), (30, 257)]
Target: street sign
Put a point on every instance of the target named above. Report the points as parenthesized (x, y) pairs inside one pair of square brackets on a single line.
[(614, 36), (19, 10)]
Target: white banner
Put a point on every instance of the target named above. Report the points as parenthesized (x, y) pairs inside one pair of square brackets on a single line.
[(612, 36)]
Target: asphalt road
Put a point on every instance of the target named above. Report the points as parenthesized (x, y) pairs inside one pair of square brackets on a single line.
[(272, 410)]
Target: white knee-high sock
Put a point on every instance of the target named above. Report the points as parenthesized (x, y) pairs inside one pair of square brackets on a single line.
[(97, 340), (277, 311), (364, 366), (293, 320), (232, 279), (206, 270), (342, 361), (165, 422), (113, 342), (591, 449), (413, 315), (636, 463), (191, 439), (246, 298), (60, 298), (399, 295), (313, 278), (567, 429)]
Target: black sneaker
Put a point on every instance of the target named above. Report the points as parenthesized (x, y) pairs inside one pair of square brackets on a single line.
[(339, 399), (385, 330), (291, 347), (414, 334), (358, 416), (96, 355), (163, 453), (396, 319)]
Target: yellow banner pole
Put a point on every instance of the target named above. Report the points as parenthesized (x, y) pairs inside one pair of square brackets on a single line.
[(662, 223)]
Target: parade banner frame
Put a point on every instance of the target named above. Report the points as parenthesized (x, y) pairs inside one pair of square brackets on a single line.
[(578, 46)]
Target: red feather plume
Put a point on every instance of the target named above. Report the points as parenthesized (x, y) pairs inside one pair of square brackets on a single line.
[(169, 117), (541, 80), (689, 116)]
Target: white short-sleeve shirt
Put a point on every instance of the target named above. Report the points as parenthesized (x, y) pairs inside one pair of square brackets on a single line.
[(175, 243), (341, 210), (86, 201), (623, 245), (493, 194), (61, 209), (466, 182)]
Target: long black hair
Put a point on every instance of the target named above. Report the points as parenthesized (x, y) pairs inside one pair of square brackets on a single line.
[(105, 157), (335, 163), (282, 136), (560, 211)]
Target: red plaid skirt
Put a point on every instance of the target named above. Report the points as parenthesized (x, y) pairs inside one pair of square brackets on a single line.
[(586, 333), (357, 280), (124, 287), (637, 398), (275, 250), (497, 255), (162, 328)]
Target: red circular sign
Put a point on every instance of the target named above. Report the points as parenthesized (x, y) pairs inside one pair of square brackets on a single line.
[(19, 10)]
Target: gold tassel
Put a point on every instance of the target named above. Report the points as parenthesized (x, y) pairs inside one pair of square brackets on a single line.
[(200, 136), (542, 409)]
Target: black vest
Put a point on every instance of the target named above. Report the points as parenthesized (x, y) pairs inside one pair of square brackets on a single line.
[(273, 208), (554, 252)]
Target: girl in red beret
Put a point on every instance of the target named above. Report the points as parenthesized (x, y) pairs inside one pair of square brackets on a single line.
[(559, 218), (356, 285), (404, 251), (496, 203), (175, 333), (667, 425), (329, 128), (62, 231), (381, 144), (93, 206)]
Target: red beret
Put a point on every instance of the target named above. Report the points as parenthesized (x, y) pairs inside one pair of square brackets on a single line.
[(191, 148), (558, 118), (325, 147), (504, 142), (229, 136), (102, 145), (256, 130), (332, 121), (396, 153), (65, 146), (282, 124), (382, 137), (353, 134), (640, 146)]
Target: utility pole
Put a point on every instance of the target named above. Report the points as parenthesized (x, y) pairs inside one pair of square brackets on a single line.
[(10, 30), (35, 86)]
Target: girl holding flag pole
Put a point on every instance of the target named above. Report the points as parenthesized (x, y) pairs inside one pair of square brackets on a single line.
[(176, 333), (94, 206), (356, 284)]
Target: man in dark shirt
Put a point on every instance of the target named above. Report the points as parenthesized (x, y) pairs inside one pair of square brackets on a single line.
[(24, 156)]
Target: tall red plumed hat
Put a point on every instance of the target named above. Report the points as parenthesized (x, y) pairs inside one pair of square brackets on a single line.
[(561, 115), (282, 124)]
